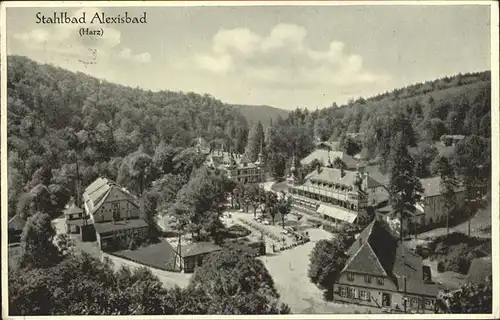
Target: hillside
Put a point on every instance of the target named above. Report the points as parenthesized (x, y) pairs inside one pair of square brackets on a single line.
[(253, 114), (56, 117), (422, 113)]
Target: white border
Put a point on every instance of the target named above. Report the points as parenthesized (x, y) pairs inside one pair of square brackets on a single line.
[(494, 141)]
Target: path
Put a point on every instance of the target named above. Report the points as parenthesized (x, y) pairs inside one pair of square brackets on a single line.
[(479, 222)]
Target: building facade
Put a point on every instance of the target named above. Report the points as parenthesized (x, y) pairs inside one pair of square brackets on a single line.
[(433, 201), (190, 256), (381, 272), (238, 167), (113, 211), (338, 195)]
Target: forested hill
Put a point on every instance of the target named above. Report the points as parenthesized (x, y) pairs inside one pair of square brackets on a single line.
[(54, 114), (458, 105), (264, 114)]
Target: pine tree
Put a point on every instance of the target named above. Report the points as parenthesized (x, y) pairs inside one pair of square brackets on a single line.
[(404, 188), (255, 141), (448, 186)]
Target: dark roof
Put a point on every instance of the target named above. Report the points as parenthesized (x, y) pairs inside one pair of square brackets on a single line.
[(377, 251), (365, 261), (106, 227), (197, 248), (16, 223), (421, 288), (479, 269)]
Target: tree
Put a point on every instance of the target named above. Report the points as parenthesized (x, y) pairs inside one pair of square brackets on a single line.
[(254, 194), (136, 172), (423, 155), (255, 142), (284, 206), (448, 187), (277, 163), (236, 283), (471, 298), (204, 195), (149, 206), (405, 188), (327, 259), (349, 145), (321, 129), (37, 247), (339, 164), (163, 158), (472, 160), (187, 161)]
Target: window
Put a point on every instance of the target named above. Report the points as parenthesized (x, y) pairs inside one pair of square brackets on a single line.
[(380, 281), (343, 292), (414, 302), (364, 295), (429, 303), (350, 276), (368, 279), (351, 293)]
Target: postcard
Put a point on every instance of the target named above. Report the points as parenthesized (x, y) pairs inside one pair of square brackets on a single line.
[(250, 159)]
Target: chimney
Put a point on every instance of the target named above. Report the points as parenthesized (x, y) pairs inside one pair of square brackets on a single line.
[(342, 172)]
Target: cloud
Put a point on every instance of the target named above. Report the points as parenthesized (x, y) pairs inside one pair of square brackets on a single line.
[(282, 59), (126, 54), (64, 42)]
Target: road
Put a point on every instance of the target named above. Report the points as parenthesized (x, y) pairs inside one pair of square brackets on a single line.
[(289, 272)]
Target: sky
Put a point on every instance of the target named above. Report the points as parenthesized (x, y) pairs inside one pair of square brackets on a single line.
[(282, 56)]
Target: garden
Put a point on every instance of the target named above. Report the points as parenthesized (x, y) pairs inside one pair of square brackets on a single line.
[(455, 251)]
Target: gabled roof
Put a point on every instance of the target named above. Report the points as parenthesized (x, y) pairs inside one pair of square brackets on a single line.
[(432, 186), (365, 261), (325, 155), (197, 248), (16, 223), (377, 251), (97, 193), (332, 175), (375, 173), (327, 145)]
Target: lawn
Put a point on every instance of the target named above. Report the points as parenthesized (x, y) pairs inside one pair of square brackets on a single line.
[(160, 255)]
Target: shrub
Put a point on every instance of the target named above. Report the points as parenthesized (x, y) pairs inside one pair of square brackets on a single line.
[(440, 266)]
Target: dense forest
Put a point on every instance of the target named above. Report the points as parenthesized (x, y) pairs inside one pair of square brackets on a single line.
[(263, 114), (56, 118)]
